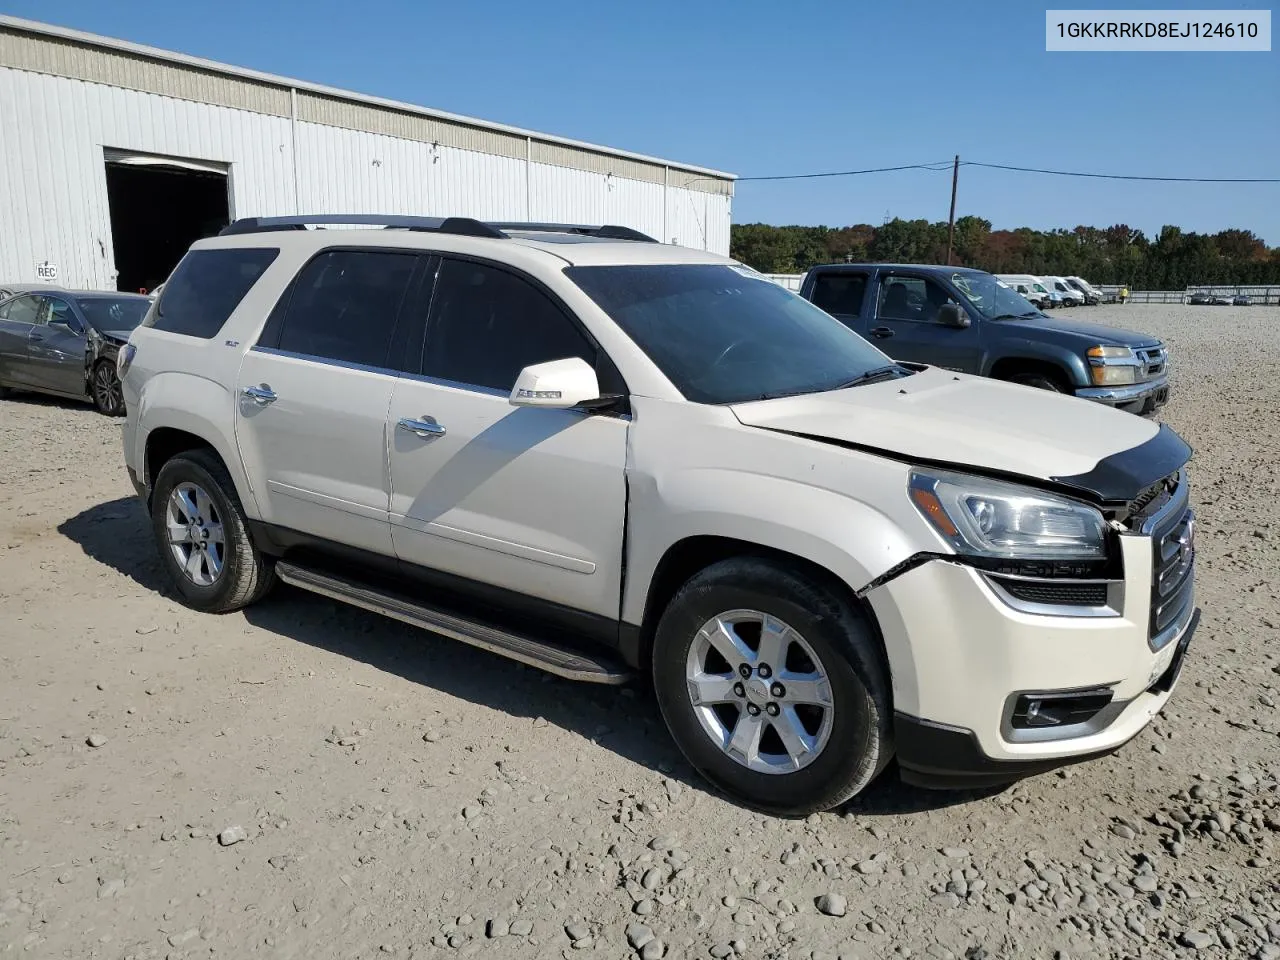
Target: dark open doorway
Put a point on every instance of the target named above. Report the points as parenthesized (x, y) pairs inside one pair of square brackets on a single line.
[(157, 212)]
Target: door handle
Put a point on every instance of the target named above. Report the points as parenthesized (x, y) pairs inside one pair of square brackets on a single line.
[(260, 395), (35, 339), (881, 332), (426, 428)]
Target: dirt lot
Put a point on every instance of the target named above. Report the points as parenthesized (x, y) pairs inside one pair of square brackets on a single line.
[(403, 795)]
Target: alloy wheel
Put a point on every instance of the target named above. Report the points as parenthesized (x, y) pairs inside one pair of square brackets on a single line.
[(196, 537), (759, 691), (106, 387)]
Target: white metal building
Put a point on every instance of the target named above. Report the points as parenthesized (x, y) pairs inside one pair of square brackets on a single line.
[(115, 156)]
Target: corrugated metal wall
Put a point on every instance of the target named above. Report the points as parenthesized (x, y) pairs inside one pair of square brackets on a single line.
[(53, 187), (53, 202)]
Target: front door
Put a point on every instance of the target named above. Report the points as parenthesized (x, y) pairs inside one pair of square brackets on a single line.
[(311, 414), (57, 346), (906, 324), (17, 319), (529, 500)]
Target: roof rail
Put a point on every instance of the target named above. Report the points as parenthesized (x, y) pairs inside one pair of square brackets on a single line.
[(464, 226), (605, 232)]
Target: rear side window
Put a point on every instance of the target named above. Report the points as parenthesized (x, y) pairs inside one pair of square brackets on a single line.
[(840, 294), (206, 288), (487, 325), (344, 306)]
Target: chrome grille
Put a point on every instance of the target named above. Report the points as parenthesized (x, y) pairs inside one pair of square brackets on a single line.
[(1154, 361), (1172, 531)]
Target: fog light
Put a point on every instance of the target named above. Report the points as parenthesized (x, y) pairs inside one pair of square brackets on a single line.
[(1034, 710)]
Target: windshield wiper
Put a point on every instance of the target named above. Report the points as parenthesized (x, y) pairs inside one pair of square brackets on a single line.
[(1015, 316), (874, 375)]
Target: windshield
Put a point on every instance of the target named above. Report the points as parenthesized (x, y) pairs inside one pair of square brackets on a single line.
[(726, 334), (993, 298), (109, 313)]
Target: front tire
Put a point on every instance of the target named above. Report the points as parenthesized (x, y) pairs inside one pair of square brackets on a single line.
[(797, 735), (104, 386), (203, 537), (1041, 381)]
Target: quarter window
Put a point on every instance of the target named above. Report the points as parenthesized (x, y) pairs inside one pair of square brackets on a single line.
[(344, 306), (205, 289), (487, 325)]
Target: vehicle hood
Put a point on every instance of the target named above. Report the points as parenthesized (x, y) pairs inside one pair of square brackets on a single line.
[(1095, 333), (120, 336), (987, 426)]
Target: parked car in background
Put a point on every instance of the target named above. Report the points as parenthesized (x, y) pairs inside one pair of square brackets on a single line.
[(1240, 300), (970, 321), (65, 342), (1200, 300), (1071, 297), (608, 457)]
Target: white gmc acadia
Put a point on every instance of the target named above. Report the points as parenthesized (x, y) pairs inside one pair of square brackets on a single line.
[(606, 456)]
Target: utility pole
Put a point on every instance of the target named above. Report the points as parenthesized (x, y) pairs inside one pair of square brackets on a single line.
[(951, 225)]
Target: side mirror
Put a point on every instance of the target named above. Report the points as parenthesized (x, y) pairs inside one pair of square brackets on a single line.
[(953, 315), (71, 325), (559, 384)]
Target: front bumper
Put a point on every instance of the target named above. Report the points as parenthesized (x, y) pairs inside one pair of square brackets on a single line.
[(1136, 398), (962, 654), (938, 756)]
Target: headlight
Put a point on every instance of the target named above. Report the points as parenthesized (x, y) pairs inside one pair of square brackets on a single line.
[(987, 518), (1113, 366)]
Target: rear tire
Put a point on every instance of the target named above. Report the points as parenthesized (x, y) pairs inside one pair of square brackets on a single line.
[(810, 754), (214, 570)]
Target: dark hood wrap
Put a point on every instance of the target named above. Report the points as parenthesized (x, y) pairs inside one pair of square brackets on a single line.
[(1122, 476)]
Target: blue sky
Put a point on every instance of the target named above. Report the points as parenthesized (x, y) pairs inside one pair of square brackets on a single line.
[(757, 89)]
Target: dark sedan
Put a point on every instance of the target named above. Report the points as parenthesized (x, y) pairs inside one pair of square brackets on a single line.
[(64, 343)]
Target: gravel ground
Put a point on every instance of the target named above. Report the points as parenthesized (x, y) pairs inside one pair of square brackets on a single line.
[(307, 780)]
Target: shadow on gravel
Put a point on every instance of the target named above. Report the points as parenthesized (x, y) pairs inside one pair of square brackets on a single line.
[(118, 535)]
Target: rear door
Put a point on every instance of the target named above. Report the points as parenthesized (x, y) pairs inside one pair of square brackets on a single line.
[(56, 348), (311, 413), (906, 325), (17, 319), (843, 294), (529, 500)]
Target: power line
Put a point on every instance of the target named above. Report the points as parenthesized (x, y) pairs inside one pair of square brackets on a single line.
[(1119, 176), (936, 166)]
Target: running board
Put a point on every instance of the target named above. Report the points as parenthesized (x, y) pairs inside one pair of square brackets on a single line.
[(563, 662)]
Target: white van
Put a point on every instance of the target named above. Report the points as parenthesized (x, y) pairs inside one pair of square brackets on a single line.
[(1031, 288), (1071, 297), (1091, 293)]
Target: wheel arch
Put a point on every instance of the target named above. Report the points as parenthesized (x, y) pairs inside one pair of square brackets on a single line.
[(176, 413), (1006, 368), (688, 557)]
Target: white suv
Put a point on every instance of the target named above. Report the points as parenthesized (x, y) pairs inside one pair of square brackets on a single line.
[(606, 456)]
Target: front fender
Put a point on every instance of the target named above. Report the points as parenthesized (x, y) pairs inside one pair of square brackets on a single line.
[(198, 406), (848, 537), (1066, 358)]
